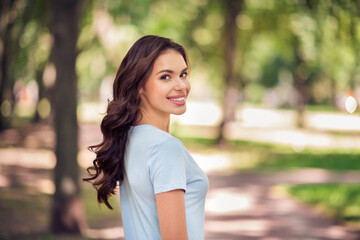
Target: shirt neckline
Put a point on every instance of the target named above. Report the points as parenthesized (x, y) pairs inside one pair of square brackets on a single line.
[(149, 125)]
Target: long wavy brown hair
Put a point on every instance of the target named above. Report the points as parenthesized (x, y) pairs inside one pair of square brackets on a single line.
[(123, 112)]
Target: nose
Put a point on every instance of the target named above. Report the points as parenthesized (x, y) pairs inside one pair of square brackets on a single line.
[(180, 84)]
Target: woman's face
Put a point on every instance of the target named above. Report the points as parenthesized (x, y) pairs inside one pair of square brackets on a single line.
[(168, 86)]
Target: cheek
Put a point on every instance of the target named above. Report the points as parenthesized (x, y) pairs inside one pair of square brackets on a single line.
[(150, 87), (155, 89), (188, 86)]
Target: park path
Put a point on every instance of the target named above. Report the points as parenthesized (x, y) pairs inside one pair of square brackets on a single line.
[(239, 205), (244, 206)]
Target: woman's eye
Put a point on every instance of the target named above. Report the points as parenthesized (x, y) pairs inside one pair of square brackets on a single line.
[(165, 77), (183, 75)]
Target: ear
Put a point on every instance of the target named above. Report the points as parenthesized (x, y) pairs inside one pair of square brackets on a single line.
[(141, 90)]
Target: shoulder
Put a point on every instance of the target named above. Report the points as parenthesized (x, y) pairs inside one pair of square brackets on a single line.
[(155, 138), (168, 146), (159, 145)]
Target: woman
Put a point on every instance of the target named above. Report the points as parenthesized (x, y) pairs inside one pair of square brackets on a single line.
[(162, 189)]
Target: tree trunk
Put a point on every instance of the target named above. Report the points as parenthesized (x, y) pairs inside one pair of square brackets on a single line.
[(355, 44), (300, 77), (333, 92), (67, 215), (6, 27), (232, 9), (301, 100)]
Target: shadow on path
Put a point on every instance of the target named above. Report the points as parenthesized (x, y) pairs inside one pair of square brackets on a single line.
[(242, 206), (239, 205)]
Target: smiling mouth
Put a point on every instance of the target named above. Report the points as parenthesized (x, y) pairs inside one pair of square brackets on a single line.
[(177, 99)]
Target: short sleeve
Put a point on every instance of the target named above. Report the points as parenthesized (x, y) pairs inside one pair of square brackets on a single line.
[(166, 166)]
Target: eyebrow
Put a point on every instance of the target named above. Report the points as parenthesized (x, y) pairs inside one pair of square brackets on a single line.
[(170, 71)]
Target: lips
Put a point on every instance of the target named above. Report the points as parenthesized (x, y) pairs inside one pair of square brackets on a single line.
[(178, 100)]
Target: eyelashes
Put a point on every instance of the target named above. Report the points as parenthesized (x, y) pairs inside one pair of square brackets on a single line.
[(167, 76), (184, 74)]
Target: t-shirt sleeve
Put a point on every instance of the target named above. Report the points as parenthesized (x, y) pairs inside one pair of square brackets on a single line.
[(166, 166)]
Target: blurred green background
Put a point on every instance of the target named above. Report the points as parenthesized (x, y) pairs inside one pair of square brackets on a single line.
[(275, 86)]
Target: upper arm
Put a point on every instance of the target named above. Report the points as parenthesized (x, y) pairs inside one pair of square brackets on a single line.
[(167, 167), (171, 212)]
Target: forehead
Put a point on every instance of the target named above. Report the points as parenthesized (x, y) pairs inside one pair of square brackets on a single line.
[(170, 59)]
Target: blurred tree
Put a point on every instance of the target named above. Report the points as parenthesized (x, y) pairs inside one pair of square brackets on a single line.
[(354, 10), (337, 46), (7, 20), (67, 211), (301, 84), (23, 53), (316, 42), (37, 51), (231, 11)]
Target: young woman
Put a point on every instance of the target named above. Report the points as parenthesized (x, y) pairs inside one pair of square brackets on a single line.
[(162, 189)]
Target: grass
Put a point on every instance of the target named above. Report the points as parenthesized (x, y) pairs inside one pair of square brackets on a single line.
[(337, 200), (321, 108), (278, 161), (340, 201), (25, 213), (253, 156), (98, 215), (40, 236), (198, 144)]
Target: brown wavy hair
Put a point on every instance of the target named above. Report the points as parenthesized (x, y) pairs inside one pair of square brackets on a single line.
[(123, 112)]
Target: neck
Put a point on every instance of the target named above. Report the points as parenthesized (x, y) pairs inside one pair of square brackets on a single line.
[(161, 122)]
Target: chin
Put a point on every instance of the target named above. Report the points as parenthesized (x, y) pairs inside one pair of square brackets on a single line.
[(179, 111)]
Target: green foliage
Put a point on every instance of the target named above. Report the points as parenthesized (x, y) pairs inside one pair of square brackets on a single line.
[(31, 42), (340, 201), (271, 71), (271, 36)]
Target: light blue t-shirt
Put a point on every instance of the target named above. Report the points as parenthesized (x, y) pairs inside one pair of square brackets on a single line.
[(157, 162)]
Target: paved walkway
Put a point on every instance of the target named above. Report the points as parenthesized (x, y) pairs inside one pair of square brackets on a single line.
[(239, 205), (242, 206)]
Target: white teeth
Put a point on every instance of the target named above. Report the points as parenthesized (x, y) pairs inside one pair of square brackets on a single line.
[(177, 99)]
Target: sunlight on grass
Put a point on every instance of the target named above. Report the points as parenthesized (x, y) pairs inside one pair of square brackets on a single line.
[(28, 217), (25, 214), (103, 223), (99, 216), (253, 156), (340, 201), (29, 158), (328, 160)]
